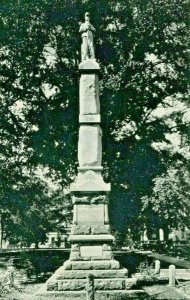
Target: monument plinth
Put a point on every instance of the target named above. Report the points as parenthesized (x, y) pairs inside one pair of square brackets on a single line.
[(91, 240)]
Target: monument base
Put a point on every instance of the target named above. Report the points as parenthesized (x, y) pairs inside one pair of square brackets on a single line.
[(71, 281), (97, 261), (91, 253)]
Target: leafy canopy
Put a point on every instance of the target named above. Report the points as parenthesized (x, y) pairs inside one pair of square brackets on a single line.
[(142, 49)]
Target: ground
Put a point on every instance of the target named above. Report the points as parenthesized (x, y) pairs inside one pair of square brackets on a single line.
[(27, 292), (166, 292)]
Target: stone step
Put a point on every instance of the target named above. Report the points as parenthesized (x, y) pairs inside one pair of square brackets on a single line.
[(92, 265), (99, 284), (66, 295), (121, 295), (66, 274), (99, 295)]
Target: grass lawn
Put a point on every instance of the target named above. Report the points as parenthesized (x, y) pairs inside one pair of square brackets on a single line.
[(25, 292)]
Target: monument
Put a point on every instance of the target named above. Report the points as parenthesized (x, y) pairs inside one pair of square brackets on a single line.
[(91, 240)]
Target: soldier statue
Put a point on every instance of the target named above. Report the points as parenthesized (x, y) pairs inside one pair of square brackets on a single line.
[(87, 30)]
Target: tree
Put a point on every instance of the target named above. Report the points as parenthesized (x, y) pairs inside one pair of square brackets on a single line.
[(168, 205), (34, 210), (152, 50), (142, 48)]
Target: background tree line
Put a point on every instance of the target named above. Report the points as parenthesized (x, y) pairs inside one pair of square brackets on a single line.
[(141, 46)]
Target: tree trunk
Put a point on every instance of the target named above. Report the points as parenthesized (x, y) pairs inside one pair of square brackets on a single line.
[(1, 232), (36, 245)]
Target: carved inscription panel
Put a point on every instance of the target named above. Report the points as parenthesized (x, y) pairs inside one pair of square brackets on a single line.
[(90, 251), (90, 214)]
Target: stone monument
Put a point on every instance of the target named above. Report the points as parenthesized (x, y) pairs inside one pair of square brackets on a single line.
[(91, 240)]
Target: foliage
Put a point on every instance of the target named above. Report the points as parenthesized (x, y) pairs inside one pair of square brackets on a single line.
[(145, 268), (31, 212), (142, 48), (169, 200)]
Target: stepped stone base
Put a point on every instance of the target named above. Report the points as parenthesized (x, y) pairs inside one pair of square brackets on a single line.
[(72, 276), (70, 279)]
